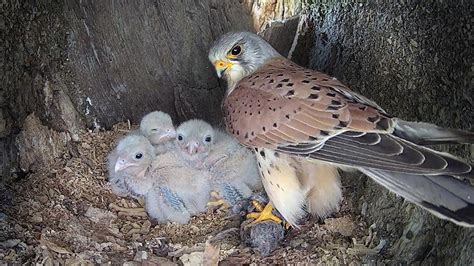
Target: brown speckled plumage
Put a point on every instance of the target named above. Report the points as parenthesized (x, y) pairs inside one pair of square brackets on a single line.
[(265, 114), (283, 104)]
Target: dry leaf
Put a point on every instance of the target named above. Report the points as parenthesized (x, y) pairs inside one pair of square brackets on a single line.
[(54, 247), (211, 254)]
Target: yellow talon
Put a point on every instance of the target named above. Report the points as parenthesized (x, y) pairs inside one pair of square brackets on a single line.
[(263, 215), (257, 205)]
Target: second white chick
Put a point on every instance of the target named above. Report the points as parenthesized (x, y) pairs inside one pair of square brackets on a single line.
[(233, 168), (228, 155), (180, 192), (159, 129)]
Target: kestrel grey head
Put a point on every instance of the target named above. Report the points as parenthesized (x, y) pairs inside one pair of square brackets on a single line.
[(157, 127), (195, 138), (238, 54)]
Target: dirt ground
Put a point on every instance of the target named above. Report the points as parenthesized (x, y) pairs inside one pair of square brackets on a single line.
[(67, 214)]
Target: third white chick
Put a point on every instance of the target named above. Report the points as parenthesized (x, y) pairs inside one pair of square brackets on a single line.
[(194, 139), (228, 155), (158, 128), (233, 168)]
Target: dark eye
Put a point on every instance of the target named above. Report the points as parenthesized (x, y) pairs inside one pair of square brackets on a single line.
[(207, 139), (154, 129), (180, 137), (138, 155), (236, 50)]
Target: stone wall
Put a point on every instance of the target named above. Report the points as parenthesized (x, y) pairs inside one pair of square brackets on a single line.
[(71, 65), (415, 60)]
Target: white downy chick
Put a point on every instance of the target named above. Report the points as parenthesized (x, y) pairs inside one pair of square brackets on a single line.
[(128, 165), (227, 153), (158, 128), (180, 192), (194, 139), (173, 191), (233, 168)]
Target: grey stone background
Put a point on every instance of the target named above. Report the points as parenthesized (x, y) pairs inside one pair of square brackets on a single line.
[(72, 65)]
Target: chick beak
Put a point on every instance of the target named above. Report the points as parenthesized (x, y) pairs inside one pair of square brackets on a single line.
[(121, 164), (221, 67), (168, 135), (193, 147)]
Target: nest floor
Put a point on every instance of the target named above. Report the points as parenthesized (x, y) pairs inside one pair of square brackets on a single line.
[(67, 214)]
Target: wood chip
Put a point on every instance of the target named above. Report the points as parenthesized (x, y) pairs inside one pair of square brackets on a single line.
[(138, 214), (54, 247), (128, 210)]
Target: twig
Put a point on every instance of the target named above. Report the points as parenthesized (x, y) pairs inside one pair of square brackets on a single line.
[(133, 231), (213, 165), (185, 250), (139, 214), (222, 234), (122, 209)]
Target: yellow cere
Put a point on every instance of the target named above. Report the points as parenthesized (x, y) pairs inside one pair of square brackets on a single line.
[(219, 64)]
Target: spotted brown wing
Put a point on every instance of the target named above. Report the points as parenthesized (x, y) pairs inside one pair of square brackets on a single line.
[(303, 112)]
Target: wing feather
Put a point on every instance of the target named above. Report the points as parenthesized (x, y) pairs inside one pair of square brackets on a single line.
[(307, 113)]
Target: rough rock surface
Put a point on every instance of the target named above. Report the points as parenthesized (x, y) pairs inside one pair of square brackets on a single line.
[(39, 146), (92, 64), (415, 60)]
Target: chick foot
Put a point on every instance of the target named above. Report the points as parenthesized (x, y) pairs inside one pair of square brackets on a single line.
[(217, 202)]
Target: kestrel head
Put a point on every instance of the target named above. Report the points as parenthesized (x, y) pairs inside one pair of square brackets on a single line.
[(238, 54), (157, 127), (134, 154), (195, 138)]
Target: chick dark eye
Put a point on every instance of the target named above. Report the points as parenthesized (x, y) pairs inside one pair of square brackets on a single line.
[(236, 50), (180, 137), (207, 139), (138, 156)]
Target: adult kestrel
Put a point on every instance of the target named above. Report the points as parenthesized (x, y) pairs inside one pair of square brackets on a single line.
[(303, 125)]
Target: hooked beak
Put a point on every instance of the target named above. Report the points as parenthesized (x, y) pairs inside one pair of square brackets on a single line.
[(121, 164), (192, 147), (221, 67), (169, 135)]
